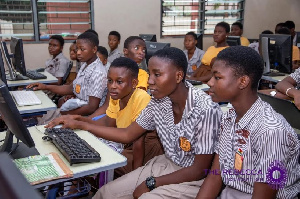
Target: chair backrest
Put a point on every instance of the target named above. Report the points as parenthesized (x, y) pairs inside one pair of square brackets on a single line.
[(65, 77)]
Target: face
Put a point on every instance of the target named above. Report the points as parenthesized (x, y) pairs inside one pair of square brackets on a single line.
[(189, 42), (102, 58), (54, 47), (136, 50), (224, 85), (164, 77), (220, 34), (113, 42), (73, 52), (120, 82), (85, 51), (236, 31)]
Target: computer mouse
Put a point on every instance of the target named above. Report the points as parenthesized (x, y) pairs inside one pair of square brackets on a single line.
[(40, 70)]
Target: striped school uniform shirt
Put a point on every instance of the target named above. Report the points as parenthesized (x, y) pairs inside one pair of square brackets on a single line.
[(91, 80), (197, 129), (265, 138), (296, 76)]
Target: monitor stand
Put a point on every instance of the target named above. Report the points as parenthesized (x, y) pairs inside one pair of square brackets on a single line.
[(16, 77)]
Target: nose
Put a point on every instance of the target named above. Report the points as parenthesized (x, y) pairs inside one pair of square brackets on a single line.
[(210, 82), (150, 80)]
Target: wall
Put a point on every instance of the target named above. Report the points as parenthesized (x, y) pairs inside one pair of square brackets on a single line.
[(131, 17)]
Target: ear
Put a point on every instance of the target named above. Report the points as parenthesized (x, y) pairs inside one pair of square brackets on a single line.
[(125, 51), (95, 49), (135, 83), (179, 76), (244, 82)]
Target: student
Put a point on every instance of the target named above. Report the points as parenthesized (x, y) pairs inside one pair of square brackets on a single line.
[(295, 50), (114, 39), (203, 73), (187, 122), (193, 54), (58, 64), (91, 78), (125, 105), (291, 26), (103, 54), (135, 48), (253, 136), (278, 27), (73, 55), (289, 86), (92, 31), (237, 30)]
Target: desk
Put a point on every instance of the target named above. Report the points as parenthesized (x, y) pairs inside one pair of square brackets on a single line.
[(110, 159), (46, 105), (275, 79), (50, 79), (204, 87)]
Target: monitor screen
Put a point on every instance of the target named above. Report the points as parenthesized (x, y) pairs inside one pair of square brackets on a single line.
[(6, 58), (152, 47), (280, 51), (199, 41), (18, 61), (298, 39), (233, 40), (2, 69), (12, 118), (12, 182), (148, 37)]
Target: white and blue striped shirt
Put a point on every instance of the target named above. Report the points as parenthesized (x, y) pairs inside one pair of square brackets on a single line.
[(199, 125), (265, 137)]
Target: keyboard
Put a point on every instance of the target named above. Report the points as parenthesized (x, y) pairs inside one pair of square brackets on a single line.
[(35, 75), (194, 82), (75, 149), (25, 98)]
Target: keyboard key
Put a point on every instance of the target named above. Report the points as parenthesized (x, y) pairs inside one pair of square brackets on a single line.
[(25, 98)]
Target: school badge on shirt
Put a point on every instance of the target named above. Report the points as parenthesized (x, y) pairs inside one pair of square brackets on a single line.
[(238, 160), (77, 88), (184, 144)]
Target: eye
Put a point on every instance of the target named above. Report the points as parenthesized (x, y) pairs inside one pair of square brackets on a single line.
[(119, 82), (136, 48), (217, 78), (157, 74), (144, 50), (109, 81)]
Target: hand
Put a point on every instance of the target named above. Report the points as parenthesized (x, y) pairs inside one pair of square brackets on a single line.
[(141, 189), (64, 120), (36, 86), (67, 97)]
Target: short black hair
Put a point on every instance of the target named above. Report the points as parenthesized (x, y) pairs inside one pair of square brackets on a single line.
[(239, 24), (289, 24), (59, 38), (102, 50), (129, 64), (244, 61), (284, 31), (193, 34), (74, 42), (92, 31), (175, 56), (280, 24), (225, 25), (90, 37), (130, 39), (267, 32), (115, 33)]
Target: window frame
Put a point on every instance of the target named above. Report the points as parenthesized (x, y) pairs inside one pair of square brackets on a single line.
[(36, 24), (202, 18)]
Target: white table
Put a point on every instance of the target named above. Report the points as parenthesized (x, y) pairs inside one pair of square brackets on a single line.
[(274, 79), (50, 79)]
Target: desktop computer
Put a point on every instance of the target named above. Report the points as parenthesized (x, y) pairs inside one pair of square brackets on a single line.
[(2, 69), (16, 48), (152, 47), (148, 37), (12, 118), (233, 40), (277, 52), (298, 39)]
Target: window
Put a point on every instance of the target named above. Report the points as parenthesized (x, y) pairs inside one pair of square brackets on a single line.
[(37, 20), (200, 16)]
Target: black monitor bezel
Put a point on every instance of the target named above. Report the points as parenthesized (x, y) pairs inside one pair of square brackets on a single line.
[(2, 69), (158, 46), (148, 37), (13, 120), (18, 60), (233, 40)]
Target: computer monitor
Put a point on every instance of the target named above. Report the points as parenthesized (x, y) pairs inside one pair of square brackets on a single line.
[(12, 118), (12, 182), (233, 40), (199, 41), (279, 48), (18, 61), (7, 60), (2, 69), (148, 37), (152, 47), (298, 39)]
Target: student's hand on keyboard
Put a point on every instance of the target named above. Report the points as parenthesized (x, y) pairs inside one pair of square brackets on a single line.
[(36, 86), (67, 121)]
